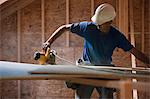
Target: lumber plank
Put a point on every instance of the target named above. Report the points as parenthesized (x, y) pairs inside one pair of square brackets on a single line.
[(43, 20), (143, 32), (2, 1), (118, 68), (18, 70), (132, 37), (123, 16)]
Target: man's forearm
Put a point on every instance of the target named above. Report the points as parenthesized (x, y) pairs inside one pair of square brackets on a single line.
[(57, 33)]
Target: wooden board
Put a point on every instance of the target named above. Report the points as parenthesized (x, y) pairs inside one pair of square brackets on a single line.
[(138, 69), (12, 70), (2, 1)]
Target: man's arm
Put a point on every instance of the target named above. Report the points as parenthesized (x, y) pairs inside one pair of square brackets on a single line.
[(58, 32), (139, 55)]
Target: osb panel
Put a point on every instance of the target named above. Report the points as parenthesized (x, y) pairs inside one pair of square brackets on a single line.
[(30, 30), (78, 52), (145, 94), (9, 41), (147, 44), (138, 39), (27, 88), (137, 14), (55, 16), (66, 53), (9, 89), (51, 88), (79, 11), (9, 52), (98, 2)]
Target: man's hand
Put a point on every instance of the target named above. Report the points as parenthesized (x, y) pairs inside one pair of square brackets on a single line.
[(45, 45)]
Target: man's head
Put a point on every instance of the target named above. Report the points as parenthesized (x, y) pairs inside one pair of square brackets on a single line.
[(103, 16)]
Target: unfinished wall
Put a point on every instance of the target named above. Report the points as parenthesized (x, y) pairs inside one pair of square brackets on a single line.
[(9, 52), (138, 37), (31, 40)]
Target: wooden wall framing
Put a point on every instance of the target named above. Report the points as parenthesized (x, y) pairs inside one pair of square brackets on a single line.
[(122, 24), (143, 32)]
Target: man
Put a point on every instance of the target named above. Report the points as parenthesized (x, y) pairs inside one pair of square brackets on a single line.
[(100, 40)]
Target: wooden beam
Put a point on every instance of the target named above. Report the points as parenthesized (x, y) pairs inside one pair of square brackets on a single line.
[(43, 20), (15, 7), (19, 89), (9, 3), (19, 35), (132, 37), (132, 32), (140, 69), (67, 22), (143, 32), (2, 1), (19, 47), (125, 90), (126, 20), (92, 7), (123, 16), (117, 11)]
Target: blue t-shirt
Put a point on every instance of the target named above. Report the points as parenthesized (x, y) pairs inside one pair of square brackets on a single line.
[(98, 48)]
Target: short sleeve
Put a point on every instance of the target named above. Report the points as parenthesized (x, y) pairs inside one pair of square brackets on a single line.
[(123, 43), (79, 28)]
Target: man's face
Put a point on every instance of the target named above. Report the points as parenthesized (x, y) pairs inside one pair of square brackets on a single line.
[(104, 28)]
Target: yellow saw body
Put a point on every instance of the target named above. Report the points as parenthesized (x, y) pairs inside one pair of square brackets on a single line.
[(45, 57)]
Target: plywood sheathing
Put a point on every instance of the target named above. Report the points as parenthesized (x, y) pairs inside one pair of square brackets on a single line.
[(30, 31), (9, 35), (9, 89), (55, 16)]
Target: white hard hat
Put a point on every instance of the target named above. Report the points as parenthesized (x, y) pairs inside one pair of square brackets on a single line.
[(104, 13)]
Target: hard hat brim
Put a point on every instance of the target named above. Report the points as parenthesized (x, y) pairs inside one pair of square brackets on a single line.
[(94, 19)]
